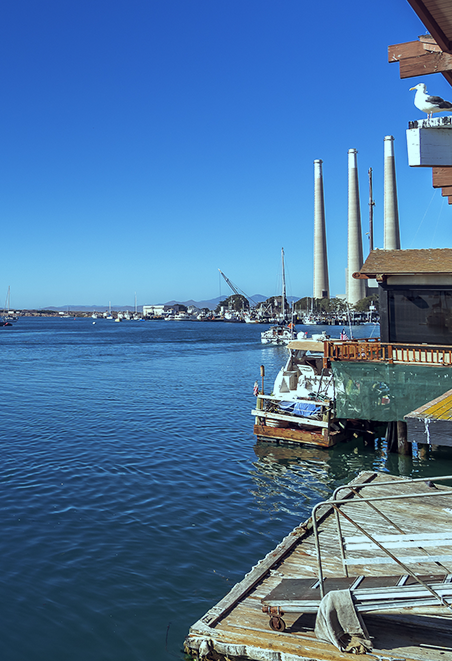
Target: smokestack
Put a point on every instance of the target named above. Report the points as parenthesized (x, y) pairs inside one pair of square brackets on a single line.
[(392, 231), (321, 285), (356, 289)]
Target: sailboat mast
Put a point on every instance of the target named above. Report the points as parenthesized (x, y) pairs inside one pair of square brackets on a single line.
[(283, 304)]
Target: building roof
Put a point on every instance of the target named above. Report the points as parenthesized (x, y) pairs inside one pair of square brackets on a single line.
[(436, 15), (406, 262)]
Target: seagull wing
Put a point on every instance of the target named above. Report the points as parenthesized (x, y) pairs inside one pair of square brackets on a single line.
[(438, 101)]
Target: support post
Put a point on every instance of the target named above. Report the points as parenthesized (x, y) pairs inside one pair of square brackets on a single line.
[(403, 447)]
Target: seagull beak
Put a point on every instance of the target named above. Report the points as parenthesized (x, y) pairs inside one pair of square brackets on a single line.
[(412, 88)]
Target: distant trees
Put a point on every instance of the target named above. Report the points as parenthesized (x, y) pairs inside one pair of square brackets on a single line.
[(364, 303), (321, 305), (235, 302)]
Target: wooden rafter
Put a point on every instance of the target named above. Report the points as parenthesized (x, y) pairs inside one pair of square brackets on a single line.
[(420, 58)]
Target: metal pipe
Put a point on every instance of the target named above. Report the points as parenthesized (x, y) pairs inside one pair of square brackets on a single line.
[(441, 599)]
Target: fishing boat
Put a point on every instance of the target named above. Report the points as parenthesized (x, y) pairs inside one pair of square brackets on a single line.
[(302, 403)]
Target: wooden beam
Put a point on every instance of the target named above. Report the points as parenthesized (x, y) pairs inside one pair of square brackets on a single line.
[(446, 190), (300, 435), (416, 58), (398, 52), (450, 200), (425, 64), (442, 177), (431, 25)]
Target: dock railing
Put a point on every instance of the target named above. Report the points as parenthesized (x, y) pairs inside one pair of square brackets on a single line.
[(338, 504), (376, 351)]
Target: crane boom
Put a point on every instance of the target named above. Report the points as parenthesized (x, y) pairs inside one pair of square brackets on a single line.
[(235, 289)]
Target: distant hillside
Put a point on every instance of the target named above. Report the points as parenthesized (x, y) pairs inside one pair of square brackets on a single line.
[(213, 302), (210, 303)]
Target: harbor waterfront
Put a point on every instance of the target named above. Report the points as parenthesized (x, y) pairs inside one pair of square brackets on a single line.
[(133, 493)]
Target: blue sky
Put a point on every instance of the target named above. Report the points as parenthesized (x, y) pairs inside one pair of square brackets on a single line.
[(145, 144)]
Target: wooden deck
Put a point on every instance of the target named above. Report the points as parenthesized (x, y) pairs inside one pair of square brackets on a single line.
[(236, 628), (432, 422)]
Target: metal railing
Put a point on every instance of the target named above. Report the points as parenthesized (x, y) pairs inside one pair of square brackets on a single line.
[(376, 351), (336, 503)]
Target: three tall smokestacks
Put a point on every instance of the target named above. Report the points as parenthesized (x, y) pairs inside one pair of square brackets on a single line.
[(355, 289), (321, 284)]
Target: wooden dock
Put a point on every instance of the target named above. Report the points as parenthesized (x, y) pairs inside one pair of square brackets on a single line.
[(237, 628), (432, 423)]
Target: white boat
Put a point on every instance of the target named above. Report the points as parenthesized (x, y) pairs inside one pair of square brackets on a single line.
[(278, 335), (301, 405), (316, 337), (300, 377), (250, 319)]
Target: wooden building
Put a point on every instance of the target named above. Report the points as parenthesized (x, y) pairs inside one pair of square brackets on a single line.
[(415, 288)]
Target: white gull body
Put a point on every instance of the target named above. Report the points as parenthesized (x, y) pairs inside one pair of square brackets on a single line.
[(429, 104)]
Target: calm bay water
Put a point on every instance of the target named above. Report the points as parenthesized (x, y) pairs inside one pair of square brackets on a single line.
[(132, 491)]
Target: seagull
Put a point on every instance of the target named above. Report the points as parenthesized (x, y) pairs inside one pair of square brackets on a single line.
[(427, 103)]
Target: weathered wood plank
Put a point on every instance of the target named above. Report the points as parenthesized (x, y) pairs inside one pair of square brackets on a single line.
[(243, 630), (397, 52), (425, 64), (422, 410), (434, 432), (297, 435), (442, 177), (311, 422)]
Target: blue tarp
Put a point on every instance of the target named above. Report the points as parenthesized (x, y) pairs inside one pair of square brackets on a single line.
[(303, 409)]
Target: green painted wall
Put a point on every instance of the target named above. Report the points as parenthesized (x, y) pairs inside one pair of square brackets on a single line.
[(385, 392)]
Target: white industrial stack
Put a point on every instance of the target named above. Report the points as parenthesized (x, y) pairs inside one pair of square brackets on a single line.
[(321, 284), (356, 289), (391, 230)]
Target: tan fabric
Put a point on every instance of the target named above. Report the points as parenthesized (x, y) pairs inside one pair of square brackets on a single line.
[(338, 623)]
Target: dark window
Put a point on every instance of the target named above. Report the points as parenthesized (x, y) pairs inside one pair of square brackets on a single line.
[(419, 315)]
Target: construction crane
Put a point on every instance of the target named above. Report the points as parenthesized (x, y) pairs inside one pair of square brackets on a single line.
[(236, 290)]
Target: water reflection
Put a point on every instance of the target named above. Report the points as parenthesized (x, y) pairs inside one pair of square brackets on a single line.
[(290, 479), (293, 479)]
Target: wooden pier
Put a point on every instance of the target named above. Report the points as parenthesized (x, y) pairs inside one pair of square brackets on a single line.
[(238, 629), (431, 424)]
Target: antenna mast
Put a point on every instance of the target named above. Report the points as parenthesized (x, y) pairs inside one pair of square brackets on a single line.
[(371, 213)]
